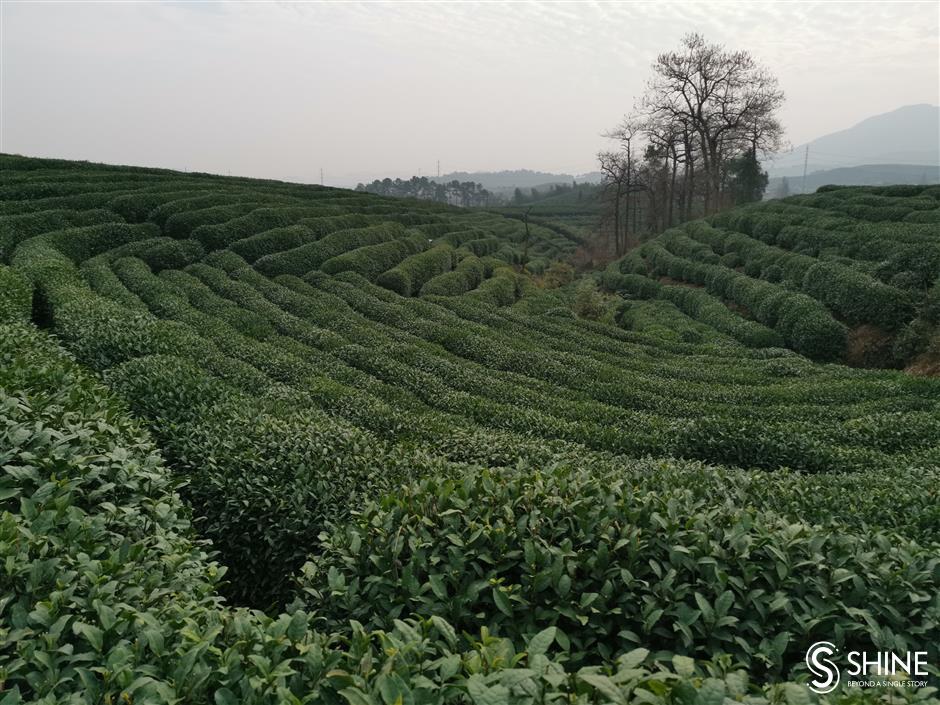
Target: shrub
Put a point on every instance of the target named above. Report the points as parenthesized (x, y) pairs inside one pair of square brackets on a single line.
[(634, 284), (925, 216), (161, 253), (558, 274), (772, 273), (483, 246), (810, 330), (181, 224), (466, 276), (79, 244), (912, 340), (16, 296), (699, 305), (930, 310), (372, 260), (502, 289), (221, 234), (588, 302), (135, 207), (409, 276), (272, 241), (612, 566), (15, 229), (310, 256), (857, 297)]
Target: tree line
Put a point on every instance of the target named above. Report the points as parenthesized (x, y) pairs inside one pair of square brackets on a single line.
[(456, 193), (693, 143)]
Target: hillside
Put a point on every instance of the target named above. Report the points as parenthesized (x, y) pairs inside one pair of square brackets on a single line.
[(443, 481), (909, 135), (846, 274), (504, 182), (864, 175)]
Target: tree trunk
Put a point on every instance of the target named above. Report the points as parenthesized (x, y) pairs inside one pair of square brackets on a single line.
[(671, 190)]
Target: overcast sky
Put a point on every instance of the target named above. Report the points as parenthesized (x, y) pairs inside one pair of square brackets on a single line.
[(367, 90)]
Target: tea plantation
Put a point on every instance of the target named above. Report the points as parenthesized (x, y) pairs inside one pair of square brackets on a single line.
[(845, 274), (265, 442)]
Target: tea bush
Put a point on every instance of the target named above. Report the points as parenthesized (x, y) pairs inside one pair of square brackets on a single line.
[(371, 260), (109, 599), (292, 402), (466, 276), (612, 568), (305, 258), (409, 276)]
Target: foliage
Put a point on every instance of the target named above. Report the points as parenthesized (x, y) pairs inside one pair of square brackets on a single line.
[(107, 599), (291, 407), (408, 277), (612, 568), (588, 301)]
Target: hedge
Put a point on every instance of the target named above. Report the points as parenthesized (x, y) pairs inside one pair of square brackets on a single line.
[(219, 236), (16, 228), (705, 308), (180, 225), (272, 241), (857, 297), (612, 566), (483, 246), (503, 288), (408, 277), (16, 296), (286, 411), (466, 276), (305, 258), (371, 260), (161, 253)]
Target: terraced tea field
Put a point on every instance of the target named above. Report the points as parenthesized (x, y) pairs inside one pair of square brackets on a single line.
[(439, 482), (846, 274)]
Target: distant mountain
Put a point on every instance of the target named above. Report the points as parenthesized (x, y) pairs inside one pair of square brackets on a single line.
[(906, 136), (866, 175), (503, 181)]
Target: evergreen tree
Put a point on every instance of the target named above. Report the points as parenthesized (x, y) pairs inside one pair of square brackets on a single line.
[(747, 180)]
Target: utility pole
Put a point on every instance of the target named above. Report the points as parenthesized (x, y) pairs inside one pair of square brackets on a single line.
[(805, 162), (321, 176), (438, 168)]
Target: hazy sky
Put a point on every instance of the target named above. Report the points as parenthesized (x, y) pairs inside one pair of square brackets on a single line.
[(364, 90)]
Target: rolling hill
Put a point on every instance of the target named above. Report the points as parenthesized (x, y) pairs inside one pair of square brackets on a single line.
[(505, 182), (909, 136), (442, 480), (846, 274), (864, 175)]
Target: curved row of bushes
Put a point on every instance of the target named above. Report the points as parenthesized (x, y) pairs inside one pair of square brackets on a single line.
[(139, 620), (288, 409), (408, 277), (466, 276), (310, 256), (372, 260), (612, 568), (802, 322)]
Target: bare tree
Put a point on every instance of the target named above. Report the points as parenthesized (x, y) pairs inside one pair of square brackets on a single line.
[(725, 99), (704, 108), (613, 167), (624, 179)]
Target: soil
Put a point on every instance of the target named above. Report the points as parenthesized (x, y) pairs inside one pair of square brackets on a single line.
[(926, 365), (869, 346)]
